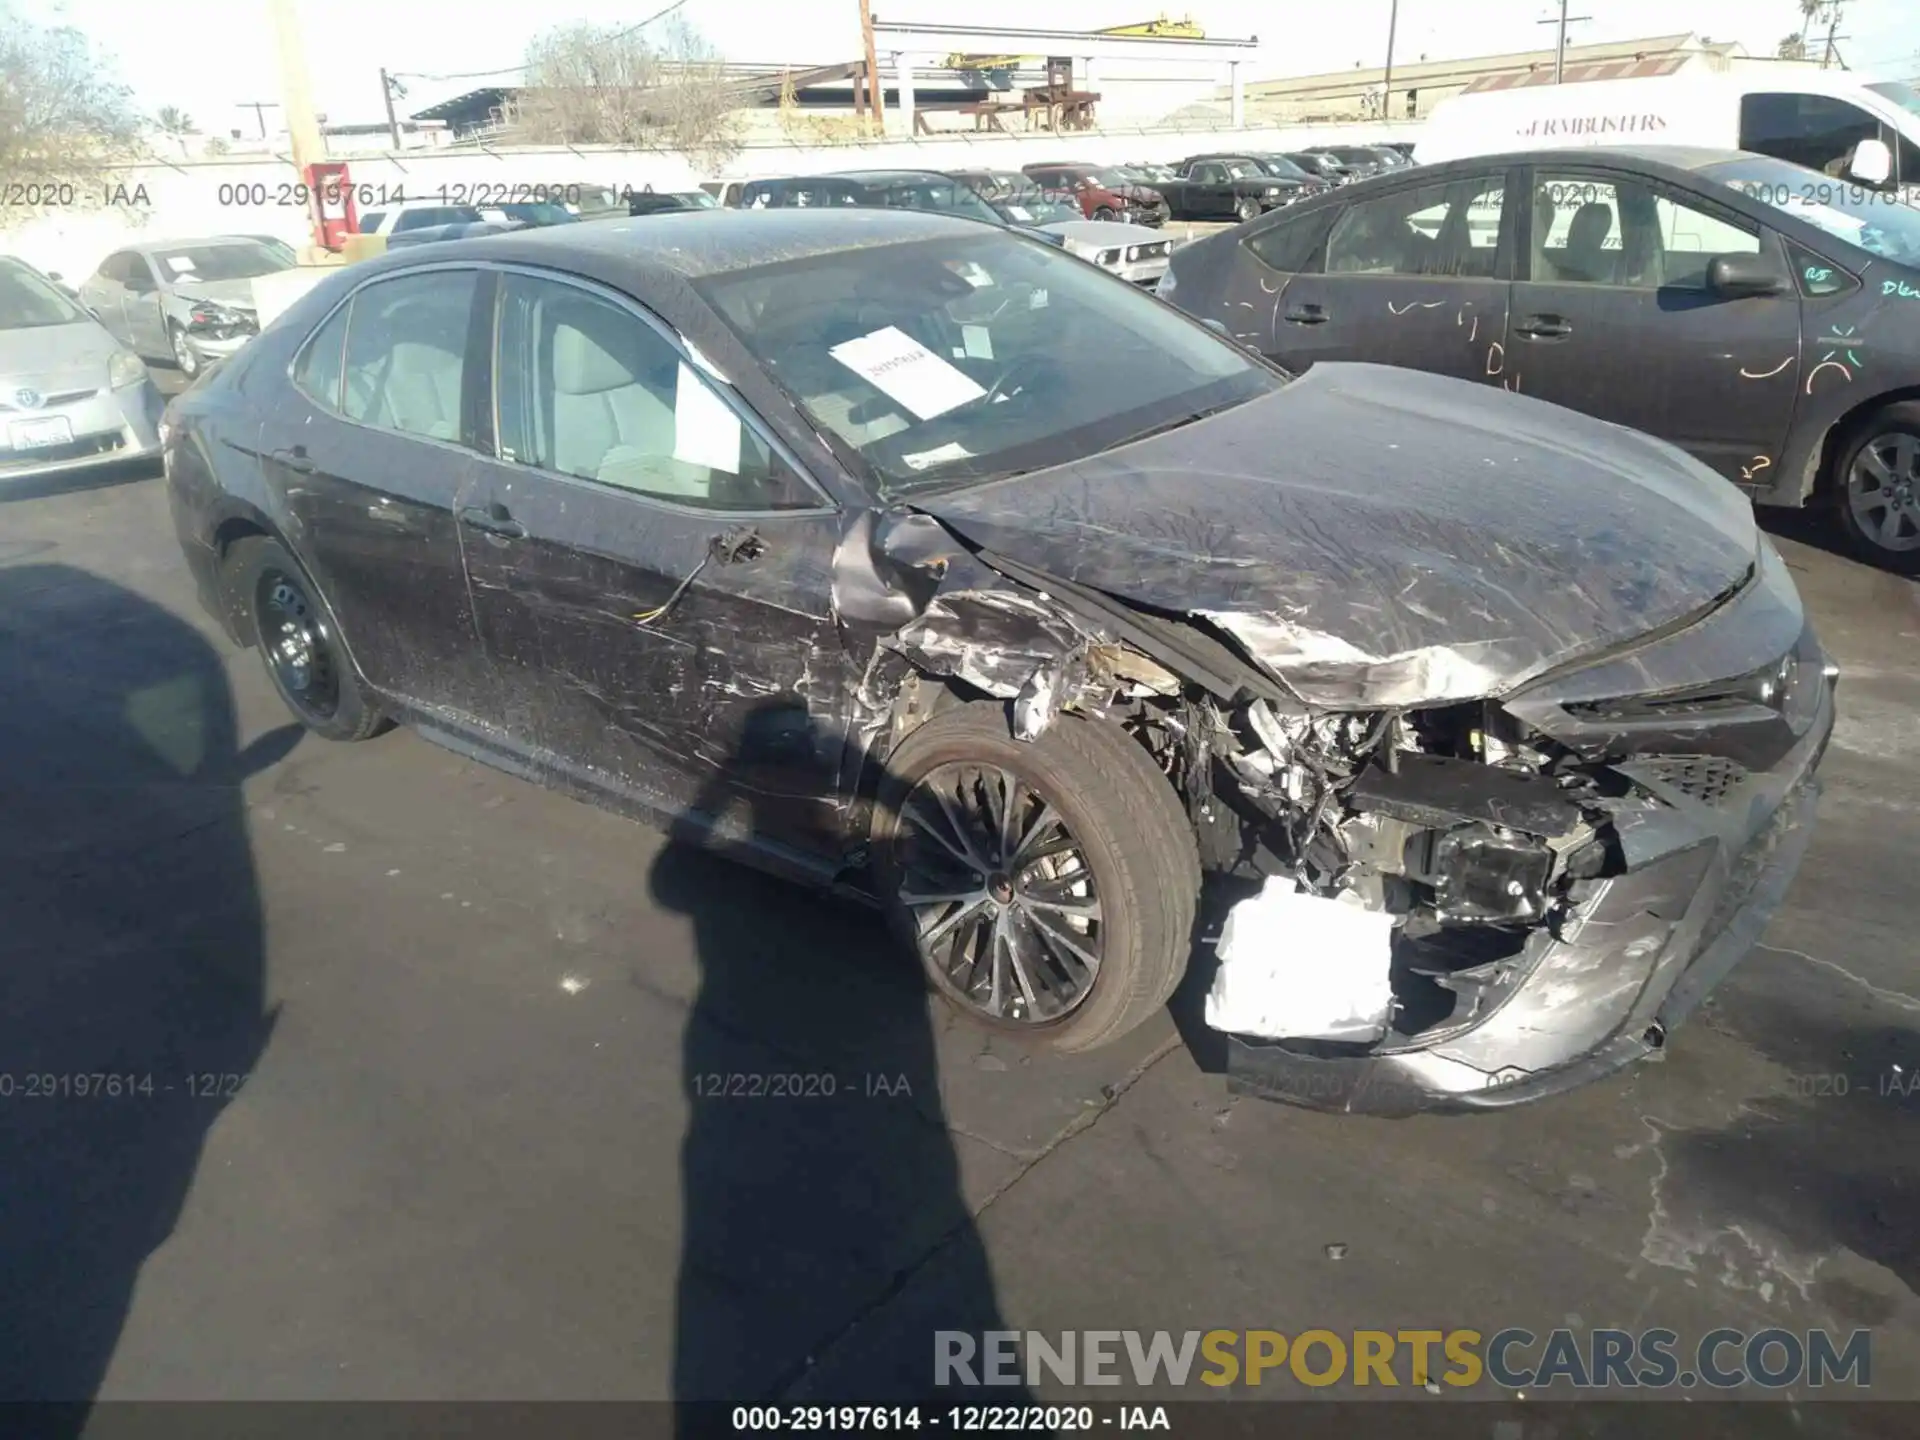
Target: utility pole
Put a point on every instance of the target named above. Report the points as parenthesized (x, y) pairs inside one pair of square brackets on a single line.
[(386, 94), (259, 108), (1833, 27), (303, 130), (876, 102), (1560, 48), (1386, 88)]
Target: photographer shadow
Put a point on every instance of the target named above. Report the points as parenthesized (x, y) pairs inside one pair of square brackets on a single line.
[(826, 1233), (132, 980)]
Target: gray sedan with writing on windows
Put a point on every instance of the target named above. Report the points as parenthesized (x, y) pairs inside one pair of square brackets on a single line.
[(1762, 317), (71, 396), (185, 301)]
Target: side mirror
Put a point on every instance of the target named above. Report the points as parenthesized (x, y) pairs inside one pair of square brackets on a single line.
[(1738, 276), (55, 276), (1871, 163)]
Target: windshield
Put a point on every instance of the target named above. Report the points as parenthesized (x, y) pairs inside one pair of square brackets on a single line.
[(1900, 93), (1880, 224), (540, 212), (28, 302), (1111, 179), (1244, 170), (944, 361), (1283, 168), (1029, 205), (697, 199), (234, 261)]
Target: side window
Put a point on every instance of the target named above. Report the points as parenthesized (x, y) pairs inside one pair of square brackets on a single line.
[(1208, 174), (370, 221), (114, 268), (1816, 131), (318, 370), (1690, 238), (1449, 229), (1816, 275), (406, 353), (139, 274), (1290, 245), (588, 389)]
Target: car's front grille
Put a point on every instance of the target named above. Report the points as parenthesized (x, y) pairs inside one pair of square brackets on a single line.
[(50, 401), (1705, 778), (53, 454)]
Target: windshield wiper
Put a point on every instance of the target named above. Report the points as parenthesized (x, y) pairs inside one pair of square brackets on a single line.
[(1175, 423)]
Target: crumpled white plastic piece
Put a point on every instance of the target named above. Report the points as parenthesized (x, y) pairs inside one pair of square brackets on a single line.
[(1295, 966)]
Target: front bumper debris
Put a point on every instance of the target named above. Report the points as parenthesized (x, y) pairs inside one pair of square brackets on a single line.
[(1708, 869)]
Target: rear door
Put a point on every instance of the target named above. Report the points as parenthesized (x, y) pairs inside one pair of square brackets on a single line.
[(1612, 315), (1209, 195), (368, 451), (650, 573), (1413, 276)]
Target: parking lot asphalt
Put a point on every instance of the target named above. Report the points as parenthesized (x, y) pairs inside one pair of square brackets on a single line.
[(433, 1056)]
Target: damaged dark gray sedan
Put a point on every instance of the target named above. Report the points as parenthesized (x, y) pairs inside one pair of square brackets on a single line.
[(911, 557)]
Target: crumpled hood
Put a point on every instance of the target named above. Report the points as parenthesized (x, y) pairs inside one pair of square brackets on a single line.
[(235, 294), (1378, 536)]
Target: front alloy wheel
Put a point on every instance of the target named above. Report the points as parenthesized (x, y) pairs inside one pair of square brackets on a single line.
[(1883, 491), (1003, 900), (184, 355), (1248, 208)]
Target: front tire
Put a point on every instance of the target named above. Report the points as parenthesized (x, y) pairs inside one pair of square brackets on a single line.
[(1105, 212), (185, 358), (1247, 208), (299, 641), (1876, 488), (1047, 887)]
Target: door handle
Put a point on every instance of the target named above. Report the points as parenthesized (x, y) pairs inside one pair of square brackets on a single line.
[(295, 460), (1307, 315), (493, 520), (1543, 327)]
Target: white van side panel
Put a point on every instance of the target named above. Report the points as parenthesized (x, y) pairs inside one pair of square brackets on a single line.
[(1692, 110)]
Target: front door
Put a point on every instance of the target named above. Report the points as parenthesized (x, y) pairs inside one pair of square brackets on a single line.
[(650, 576), (146, 325), (1414, 277), (1209, 193), (368, 459), (1613, 316)]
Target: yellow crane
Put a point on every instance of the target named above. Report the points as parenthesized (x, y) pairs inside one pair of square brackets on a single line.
[(1160, 28)]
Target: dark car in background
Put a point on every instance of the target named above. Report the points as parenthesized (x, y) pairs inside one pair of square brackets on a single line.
[(1762, 318), (668, 202), (920, 599), (1362, 162), (1321, 165), (1231, 187), (1104, 192), (871, 189)]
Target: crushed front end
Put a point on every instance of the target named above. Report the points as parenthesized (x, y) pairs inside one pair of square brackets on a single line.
[(1571, 867)]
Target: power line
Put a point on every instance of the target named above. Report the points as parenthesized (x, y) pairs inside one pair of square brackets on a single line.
[(516, 69)]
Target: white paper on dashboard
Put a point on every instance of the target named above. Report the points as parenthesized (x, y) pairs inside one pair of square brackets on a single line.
[(939, 455), (705, 431), (905, 371), (1019, 212), (978, 343)]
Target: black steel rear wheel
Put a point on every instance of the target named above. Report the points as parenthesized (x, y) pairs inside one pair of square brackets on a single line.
[(294, 629), (1048, 887)]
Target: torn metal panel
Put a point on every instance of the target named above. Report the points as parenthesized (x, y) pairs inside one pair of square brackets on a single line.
[(994, 640)]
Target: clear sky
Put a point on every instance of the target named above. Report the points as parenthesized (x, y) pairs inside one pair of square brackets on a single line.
[(209, 56)]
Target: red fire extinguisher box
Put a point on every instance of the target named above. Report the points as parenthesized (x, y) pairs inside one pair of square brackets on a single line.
[(330, 204)]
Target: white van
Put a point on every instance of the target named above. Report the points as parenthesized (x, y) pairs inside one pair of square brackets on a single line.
[(1815, 118)]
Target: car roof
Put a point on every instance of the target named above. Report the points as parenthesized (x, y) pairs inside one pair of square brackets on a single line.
[(151, 247), (710, 242), (874, 177)]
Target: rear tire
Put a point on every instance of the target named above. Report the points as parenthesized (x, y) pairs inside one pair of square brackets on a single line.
[(1876, 488), (1095, 863), (299, 641), (1105, 212)]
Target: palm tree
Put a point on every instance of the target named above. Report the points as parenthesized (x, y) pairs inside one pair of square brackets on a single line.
[(174, 121)]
